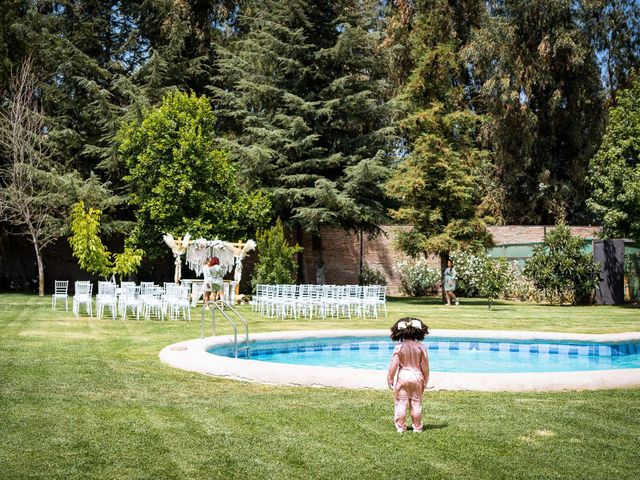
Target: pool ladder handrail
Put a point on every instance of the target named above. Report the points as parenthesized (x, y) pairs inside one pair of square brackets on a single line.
[(220, 306)]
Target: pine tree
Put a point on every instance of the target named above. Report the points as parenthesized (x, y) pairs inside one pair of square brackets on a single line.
[(302, 99)]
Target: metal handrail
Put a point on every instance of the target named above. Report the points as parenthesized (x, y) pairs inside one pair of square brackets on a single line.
[(218, 306)]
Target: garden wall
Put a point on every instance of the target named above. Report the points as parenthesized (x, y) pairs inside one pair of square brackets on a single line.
[(18, 269)]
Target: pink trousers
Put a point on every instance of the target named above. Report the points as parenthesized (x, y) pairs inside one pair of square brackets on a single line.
[(415, 407)]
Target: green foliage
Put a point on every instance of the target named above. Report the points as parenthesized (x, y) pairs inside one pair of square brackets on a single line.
[(537, 81), (303, 98), (487, 276), (369, 276), (615, 170), (91, 253), (180, 183), (417, 278), (438, 185), (276, 258), (561, 269)]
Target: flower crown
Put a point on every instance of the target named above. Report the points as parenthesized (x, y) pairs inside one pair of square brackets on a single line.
[(413, 323)]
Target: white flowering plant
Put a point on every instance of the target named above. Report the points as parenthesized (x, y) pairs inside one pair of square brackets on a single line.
[(480, 273), (417, 277)]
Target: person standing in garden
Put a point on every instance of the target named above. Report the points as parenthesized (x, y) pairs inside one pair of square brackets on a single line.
[(216, 275), (409, 371), (450, 283)]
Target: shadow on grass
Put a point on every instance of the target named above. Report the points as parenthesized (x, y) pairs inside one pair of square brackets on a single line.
[(435, 426)]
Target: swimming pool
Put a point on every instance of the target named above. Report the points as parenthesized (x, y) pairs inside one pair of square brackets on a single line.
[(448, 354), (596, 361)]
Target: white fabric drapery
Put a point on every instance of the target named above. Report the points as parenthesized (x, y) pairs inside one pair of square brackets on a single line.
[(198, 251)]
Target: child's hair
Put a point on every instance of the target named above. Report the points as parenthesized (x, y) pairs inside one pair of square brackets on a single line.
[(214, 261), (408, 328)]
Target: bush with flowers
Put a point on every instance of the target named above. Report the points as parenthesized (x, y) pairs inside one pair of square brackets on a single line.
[(417, 277), (488, 277)]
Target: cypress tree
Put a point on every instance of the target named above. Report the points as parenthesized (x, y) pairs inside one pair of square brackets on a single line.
[(439, 183)]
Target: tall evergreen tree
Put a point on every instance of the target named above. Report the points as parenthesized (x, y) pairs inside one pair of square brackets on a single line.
[(303, 99), (539, 85), (439, 184)]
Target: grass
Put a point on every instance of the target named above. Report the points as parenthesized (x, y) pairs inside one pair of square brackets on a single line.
[(87, 398)]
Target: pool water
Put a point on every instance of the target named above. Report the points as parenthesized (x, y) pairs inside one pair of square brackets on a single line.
[(448, 354)]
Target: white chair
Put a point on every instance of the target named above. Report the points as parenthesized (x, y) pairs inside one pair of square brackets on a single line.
[(130, 300), (370, 302), (60, 290), (106, 297), (177, 298), (82, 296), (197, 291), (153, 302)]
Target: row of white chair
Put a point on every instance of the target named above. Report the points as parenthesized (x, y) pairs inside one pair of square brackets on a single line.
[(145, 299), (320, 300)]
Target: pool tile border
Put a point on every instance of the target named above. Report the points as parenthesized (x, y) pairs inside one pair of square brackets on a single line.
[(192, 355)]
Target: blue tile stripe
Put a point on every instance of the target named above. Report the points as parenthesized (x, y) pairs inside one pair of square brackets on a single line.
[(573, 350)]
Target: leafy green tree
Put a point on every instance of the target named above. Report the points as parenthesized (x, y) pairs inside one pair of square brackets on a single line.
[(438, 185), (180, 182), (91, 253), (538, 83), (302, 97), (276, 258), (560, 268), (615, 170)]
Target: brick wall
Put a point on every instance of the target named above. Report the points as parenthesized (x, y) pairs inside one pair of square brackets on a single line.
[(342, 251), (342, 258)]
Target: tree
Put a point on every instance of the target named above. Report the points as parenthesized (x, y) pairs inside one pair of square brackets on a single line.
[(276, 258), (302, 97), (613, 26), (34, 195), (180, 182), (560, 268), (538, 83), (614, 172), (91, 253), (438, 185)]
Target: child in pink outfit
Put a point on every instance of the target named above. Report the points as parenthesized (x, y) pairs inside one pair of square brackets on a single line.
[(409, 371)]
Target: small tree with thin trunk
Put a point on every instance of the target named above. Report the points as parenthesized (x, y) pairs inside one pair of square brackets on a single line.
[(30, 200), (35, 196)]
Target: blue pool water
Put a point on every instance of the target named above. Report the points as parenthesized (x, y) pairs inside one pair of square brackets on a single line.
[(448, 354)]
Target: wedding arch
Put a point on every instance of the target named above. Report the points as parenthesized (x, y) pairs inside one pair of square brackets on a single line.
[(230, 254)]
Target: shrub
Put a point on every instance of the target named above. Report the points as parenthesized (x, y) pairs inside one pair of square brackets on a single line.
[(560, 269), (519, 286), (369, 276), (276, 258), (480, 273), (417, 277)]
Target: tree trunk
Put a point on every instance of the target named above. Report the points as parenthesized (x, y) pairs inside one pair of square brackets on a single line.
[(40, 270), (444, 258), (318, 258), (361, 253), (302, 278)]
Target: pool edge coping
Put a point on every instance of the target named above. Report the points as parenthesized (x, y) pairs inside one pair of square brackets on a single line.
[(191, 355)]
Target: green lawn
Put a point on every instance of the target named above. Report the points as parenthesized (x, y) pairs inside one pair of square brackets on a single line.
[(82, 398)]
